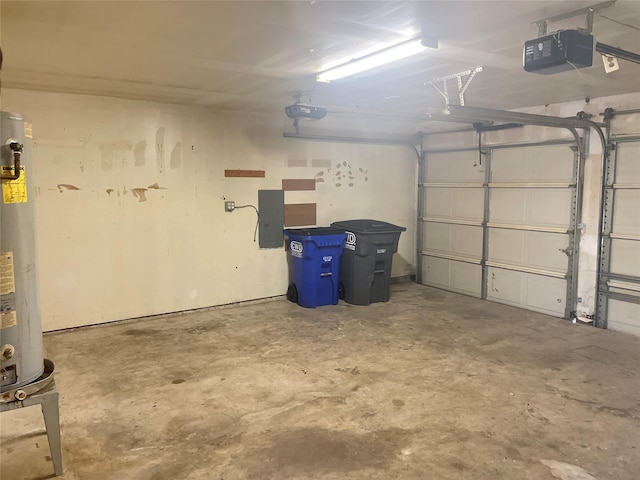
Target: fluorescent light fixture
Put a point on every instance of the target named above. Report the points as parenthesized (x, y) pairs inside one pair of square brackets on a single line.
[(376, 59)]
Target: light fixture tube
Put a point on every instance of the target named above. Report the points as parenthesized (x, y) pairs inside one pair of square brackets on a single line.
[(375, 59)]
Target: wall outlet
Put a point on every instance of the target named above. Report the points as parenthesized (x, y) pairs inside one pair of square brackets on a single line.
[(229, 206)]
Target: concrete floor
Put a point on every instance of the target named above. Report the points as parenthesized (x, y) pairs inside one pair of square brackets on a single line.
[(431, 385)]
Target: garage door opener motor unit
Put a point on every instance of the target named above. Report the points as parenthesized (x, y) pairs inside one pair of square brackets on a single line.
[(561, 51)]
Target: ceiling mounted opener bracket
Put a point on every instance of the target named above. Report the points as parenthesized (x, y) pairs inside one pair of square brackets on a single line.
[(588, 11), (462, 85)]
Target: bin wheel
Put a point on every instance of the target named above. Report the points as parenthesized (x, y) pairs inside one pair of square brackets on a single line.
[(341, 291), (292, 293)]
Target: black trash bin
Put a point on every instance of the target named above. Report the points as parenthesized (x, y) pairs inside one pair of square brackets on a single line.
[(365, 267)]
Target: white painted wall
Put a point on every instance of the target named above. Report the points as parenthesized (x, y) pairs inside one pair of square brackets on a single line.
[(108, 251)]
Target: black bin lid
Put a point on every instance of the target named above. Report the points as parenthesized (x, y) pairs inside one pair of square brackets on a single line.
[(314, 231), (368, 226)]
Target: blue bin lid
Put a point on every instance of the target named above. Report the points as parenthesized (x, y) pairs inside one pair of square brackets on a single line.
[(368, 226), (314, 231)]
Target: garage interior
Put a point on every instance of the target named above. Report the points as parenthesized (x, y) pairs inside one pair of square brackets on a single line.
[(510, 343)]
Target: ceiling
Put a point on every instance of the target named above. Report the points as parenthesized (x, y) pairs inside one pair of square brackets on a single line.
[(256, 55)]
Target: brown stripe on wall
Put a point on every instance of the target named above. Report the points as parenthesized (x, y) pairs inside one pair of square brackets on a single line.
[(244, 173), (296, 162), (321, 163), (298, 184), (299, 214)]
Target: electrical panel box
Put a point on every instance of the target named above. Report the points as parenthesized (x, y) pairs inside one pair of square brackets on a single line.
[(561, 51), (271, 218)]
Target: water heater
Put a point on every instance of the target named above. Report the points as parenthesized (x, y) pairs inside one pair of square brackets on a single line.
[(21, 355)]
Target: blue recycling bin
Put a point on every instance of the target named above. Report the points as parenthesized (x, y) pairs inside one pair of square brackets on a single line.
[(314, 255)]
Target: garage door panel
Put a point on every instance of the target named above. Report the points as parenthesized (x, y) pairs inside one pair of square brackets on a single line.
[(531, 249), (625, 257), (552, 164), (466, 277), (508, 206), (541, 207), (467, 240), (546, 251), (435, 271), (457, 203), (626, 213), (551, 207), (627, 163), (545, 294), (504, 286), (453, 239), (453, 167), (530, 291), (624, 316), (452, 275)]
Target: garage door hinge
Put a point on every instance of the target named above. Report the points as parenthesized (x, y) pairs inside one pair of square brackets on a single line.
[(567, 251)]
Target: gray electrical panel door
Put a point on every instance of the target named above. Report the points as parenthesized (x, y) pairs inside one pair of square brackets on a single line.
[(271, 218)]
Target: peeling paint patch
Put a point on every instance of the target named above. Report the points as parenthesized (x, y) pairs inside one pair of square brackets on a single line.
[(321, 163), (108, 151), (294, 162), (176, 156), (109, 190), (140, 194), (66, 186), (139, 152), (155, 186)]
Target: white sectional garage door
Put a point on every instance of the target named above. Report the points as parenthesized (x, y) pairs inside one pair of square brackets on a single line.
[(452, 222), (503, 230), (619, 286)]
